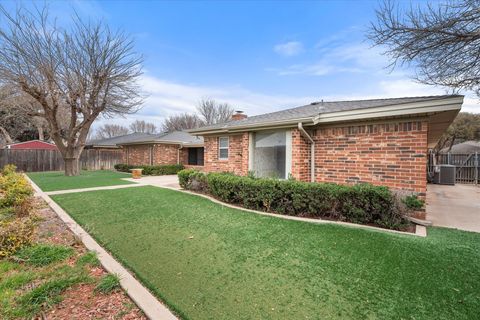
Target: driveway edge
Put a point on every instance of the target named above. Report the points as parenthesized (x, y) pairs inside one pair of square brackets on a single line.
[(142, 297)]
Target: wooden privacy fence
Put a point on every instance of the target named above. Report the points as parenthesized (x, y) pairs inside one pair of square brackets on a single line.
[(467, 166), (51, 160)]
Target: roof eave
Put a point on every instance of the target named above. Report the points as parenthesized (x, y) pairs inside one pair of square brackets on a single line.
[(158, 142), (426, 107), (265, 125)]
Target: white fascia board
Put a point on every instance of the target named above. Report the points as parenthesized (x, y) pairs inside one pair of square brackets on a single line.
[(391, 111), (262, 125)]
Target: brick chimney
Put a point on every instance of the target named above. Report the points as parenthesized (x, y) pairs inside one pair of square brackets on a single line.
[(239, 115)]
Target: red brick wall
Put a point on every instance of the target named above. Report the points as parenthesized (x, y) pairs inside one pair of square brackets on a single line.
[(237, 155), (165, 154), (138, 154), (390, 154), (162, 154), (300, 156)]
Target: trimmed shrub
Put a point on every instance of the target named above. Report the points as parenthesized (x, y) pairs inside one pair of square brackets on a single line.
[(362, 203), (151, 170), (413, 203), (192, 179)]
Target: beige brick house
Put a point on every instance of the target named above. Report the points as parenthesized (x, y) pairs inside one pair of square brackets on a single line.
[(380, 141), (178, 147)]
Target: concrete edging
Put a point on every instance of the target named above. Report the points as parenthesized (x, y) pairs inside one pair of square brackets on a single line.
[(142, 297)]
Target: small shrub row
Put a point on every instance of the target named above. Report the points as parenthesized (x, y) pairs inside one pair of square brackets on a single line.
[(14, 188), (151, 170), (362, 203), (17, 227)]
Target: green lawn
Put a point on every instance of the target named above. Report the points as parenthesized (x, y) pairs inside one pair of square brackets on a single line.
[(53, 181), (211, 262)]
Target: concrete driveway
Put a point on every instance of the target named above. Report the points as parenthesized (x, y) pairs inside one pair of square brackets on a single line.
[(169, 181), (454, 206)]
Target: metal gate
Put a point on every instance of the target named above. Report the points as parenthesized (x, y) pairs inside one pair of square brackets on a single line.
[(467, 166)]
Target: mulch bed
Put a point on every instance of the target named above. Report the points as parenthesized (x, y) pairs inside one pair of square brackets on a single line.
[(81, 301)]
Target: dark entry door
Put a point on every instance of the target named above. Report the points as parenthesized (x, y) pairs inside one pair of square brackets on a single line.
[(195, 156)]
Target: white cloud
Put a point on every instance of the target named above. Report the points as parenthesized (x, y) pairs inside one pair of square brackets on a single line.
[(338, 58), (167, 98), (289, 49)]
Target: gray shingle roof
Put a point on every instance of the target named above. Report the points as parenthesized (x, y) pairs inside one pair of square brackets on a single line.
[(316, 108), (113, 142), (174, 137), (179, 136)]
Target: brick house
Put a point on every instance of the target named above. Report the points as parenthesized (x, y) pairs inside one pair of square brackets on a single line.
[(177, 147), (381, 141)]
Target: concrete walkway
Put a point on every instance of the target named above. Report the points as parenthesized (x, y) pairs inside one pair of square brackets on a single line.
[(454, 206), (51, 193), (169, 181)]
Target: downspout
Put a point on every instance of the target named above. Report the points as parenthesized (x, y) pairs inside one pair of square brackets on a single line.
[(312, 151), (180, 146)]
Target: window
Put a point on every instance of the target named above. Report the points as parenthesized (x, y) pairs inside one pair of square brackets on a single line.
[(223, 148), (270, 154)]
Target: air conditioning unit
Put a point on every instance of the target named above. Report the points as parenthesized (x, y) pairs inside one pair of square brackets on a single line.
[(444, 174)]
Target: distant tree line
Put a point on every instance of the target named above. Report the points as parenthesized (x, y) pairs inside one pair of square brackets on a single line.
[(208, 112)]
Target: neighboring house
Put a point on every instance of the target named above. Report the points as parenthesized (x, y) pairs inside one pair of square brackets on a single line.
[(467, 147), (380, 141), (31, 145), (113, 143), (166, 148)]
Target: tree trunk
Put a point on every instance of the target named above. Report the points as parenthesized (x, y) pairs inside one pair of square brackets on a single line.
[(6, 136), (72, 167), (41, 136)]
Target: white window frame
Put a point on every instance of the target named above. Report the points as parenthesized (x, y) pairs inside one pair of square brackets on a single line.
[(288, 151), (223, 148)]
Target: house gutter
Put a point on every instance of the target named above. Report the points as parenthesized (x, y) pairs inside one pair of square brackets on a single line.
[(312, 151), (178, 153)]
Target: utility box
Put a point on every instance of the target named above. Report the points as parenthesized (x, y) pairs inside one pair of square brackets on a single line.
[(444, 174)]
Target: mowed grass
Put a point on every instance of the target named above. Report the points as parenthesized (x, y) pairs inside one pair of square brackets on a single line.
[(53, 181), (207, 261)]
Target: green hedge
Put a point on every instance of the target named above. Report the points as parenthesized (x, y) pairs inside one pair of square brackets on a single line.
[(362, 203), (151, 170)]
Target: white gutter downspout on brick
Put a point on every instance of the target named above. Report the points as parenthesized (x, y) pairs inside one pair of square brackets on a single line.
[(178, 153), (312, 151)]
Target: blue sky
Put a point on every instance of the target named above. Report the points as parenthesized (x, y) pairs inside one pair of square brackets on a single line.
[(258, 56)]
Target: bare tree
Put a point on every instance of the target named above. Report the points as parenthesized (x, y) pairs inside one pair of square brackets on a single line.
[(181, 121), (110, 131), (442, 41), (214, 112), (466, 126), (18, 116), (143, 127), (87, 69)]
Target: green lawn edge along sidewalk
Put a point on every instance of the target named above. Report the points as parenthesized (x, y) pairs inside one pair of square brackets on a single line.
[(207, 261), (56, 180)]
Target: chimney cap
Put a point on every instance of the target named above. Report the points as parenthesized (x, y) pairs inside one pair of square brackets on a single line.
[(238, 111)]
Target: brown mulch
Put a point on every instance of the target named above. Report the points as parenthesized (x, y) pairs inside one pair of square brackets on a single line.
[(81, 301)]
